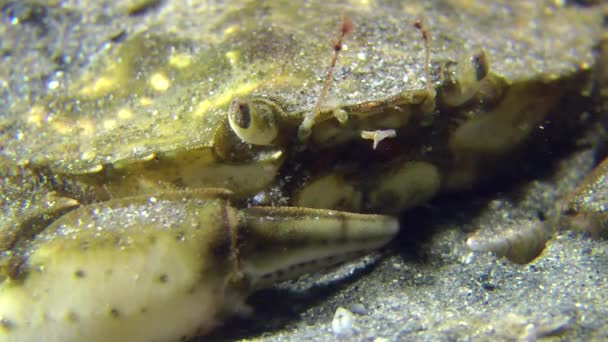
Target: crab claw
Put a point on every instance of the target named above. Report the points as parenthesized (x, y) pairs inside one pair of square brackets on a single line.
[(276, 244), (169, 266)]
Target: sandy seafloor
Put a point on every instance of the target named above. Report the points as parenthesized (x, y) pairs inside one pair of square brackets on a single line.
[(426, 285)]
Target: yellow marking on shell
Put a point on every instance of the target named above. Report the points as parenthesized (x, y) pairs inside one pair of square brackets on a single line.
[(110, 124), (230, 30), (241, 90), (35, 115), (224, 98), (233, 57), (202, 108), (145, 101), (100, 86), (159, 82), (87, 155), (180, 61), (124, 114), (61, 127)]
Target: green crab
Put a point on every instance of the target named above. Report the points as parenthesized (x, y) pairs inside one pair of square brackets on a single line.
[(148, 194)]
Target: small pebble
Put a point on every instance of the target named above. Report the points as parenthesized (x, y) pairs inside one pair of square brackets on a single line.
[(342, 323), (357, 308)]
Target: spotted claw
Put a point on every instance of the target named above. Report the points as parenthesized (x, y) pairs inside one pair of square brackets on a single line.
[(167, 267)]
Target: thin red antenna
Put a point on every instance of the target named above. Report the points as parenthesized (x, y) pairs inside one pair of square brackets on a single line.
[(427, 54), (346, 26)]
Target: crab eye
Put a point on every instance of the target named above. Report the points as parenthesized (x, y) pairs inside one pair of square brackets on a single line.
[(242, 116), (253, 121), (466, 79), (479, 62)]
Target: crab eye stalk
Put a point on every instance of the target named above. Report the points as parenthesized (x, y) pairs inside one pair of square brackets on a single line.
[(254, 121), (466, 79)]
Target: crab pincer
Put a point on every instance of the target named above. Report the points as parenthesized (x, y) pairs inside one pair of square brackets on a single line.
[(159, 268)]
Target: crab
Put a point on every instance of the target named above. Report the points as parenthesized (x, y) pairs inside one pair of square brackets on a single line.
[(175, 174)]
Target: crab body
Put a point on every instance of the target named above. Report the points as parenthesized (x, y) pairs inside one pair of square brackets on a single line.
[(110, 179)]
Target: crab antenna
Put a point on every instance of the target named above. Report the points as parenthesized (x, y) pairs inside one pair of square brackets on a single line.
[(427, 54), (346, 26)]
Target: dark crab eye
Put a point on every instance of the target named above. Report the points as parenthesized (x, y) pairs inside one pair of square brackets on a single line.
[(480, 64), (253, 121), (241, 115)]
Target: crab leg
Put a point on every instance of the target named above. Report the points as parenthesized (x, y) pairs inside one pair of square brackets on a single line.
[(160, 268)]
